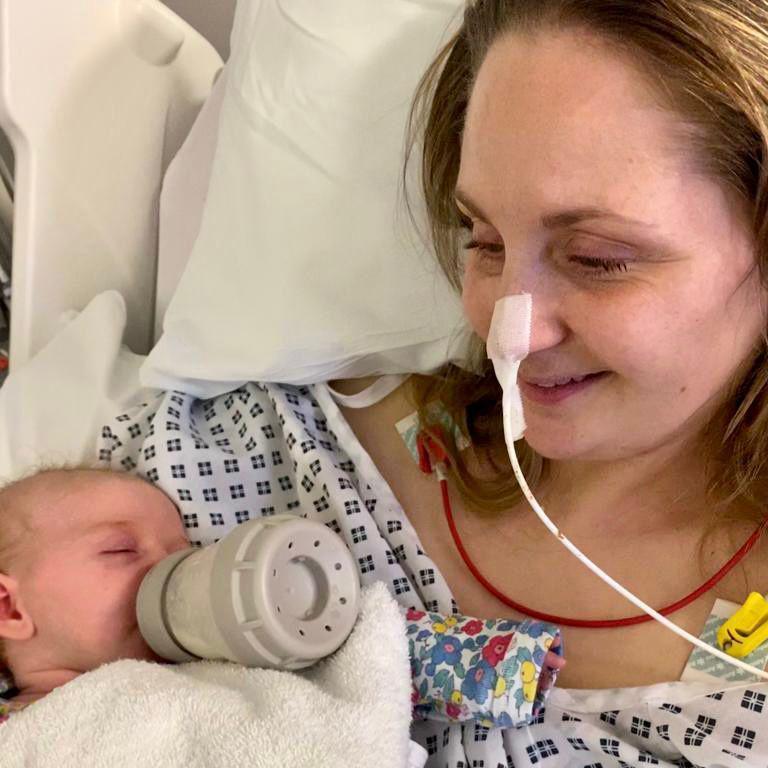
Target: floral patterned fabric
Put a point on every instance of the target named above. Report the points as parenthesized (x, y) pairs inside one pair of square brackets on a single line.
[(495, 671)]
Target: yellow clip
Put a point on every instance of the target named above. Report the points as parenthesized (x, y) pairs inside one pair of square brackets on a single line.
[(747, 629)]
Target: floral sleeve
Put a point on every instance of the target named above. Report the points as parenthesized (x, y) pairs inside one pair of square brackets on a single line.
[(495, 671)]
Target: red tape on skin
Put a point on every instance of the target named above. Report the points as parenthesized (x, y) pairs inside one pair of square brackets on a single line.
[(430, 451)]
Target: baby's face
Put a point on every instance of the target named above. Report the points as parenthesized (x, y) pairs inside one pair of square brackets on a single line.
[(93, 542)]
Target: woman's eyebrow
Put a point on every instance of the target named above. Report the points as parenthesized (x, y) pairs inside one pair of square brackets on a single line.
[(645, 234), (565, 218), (577, 215)]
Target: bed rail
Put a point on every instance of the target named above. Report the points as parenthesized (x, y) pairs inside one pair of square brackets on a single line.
[(96, 96)]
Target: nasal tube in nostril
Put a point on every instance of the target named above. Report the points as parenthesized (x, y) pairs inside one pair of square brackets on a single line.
[(508, 343)]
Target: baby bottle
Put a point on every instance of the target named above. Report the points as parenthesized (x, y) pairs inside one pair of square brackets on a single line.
[(280, 592)]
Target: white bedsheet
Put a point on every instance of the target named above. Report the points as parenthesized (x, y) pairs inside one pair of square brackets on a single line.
[(52, 408)]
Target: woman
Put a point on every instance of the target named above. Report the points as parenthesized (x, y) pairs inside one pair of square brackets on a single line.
[(605, 157)]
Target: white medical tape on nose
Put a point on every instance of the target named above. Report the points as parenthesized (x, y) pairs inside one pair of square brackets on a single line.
[(508, 344)]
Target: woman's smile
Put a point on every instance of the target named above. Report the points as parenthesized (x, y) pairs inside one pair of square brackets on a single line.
[(555, 393)]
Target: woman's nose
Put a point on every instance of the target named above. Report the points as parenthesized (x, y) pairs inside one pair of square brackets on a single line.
[(548, 326)]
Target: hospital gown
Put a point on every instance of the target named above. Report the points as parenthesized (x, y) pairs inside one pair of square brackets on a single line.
[(270, 449)]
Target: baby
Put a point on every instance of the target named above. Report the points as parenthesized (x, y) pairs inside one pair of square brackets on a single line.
[(76, 544), (74, 547)]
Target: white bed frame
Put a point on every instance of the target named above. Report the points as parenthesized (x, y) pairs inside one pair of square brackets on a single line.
[(96, 96)]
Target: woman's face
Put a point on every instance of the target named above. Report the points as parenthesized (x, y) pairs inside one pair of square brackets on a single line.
[(581, 193)]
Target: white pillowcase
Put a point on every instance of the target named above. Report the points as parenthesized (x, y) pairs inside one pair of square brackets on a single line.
[(185, 187), (52, 407), (306, 267)]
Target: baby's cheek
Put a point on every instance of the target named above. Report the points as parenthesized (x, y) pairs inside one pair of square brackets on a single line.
[(111, 635)]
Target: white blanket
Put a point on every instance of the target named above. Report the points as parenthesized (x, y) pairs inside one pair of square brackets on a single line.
[(52, 408), (352, 709)]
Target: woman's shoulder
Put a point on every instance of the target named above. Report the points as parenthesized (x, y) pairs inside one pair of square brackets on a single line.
[(756, 566), (750, 570)]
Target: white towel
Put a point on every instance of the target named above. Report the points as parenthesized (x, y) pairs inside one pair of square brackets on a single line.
[(352, 709)]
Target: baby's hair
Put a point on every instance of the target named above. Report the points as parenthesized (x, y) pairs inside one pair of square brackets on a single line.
[(13, 524)]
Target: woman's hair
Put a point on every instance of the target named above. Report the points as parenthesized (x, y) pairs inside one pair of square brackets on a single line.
[(709, 62)]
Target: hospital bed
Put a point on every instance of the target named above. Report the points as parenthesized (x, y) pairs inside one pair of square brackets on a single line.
[(96, 97)]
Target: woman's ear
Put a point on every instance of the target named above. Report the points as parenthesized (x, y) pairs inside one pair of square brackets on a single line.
[(15, 622)]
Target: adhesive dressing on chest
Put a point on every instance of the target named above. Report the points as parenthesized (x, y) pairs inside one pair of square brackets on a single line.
[(703, 667)]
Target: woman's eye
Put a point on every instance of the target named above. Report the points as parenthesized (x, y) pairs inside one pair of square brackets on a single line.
[(484, 249), (119, 552), (579, 250), (600, 265), (488, 257), (597, 257), (483, 240)]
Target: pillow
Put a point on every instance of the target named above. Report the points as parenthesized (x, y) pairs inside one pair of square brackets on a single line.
[(306, 267), (52, 407), (185, 186)]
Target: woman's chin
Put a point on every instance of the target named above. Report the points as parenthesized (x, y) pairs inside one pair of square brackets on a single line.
[(557, 447), (566, 446)]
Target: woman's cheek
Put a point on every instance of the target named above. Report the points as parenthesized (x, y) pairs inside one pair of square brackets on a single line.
[(479, 298)]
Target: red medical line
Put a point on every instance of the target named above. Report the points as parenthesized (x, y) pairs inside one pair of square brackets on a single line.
[(432, 454)]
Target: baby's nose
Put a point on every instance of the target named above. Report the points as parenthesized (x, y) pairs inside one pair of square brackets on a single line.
[(162, 549)]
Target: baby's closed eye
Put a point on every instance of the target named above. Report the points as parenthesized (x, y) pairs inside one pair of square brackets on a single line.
[(119, 546)]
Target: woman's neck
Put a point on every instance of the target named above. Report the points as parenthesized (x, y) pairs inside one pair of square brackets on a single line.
[(662, 489)]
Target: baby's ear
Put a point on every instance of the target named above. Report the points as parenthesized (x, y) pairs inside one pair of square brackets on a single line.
[(15, 622)]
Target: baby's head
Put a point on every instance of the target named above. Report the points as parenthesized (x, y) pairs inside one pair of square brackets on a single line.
[(74, 547)]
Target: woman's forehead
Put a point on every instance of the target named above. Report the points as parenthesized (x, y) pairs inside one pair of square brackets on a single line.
[(564, 72), (563, 118)]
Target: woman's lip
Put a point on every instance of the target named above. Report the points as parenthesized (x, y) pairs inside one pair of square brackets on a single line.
[(542, 381), (554, 395)]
